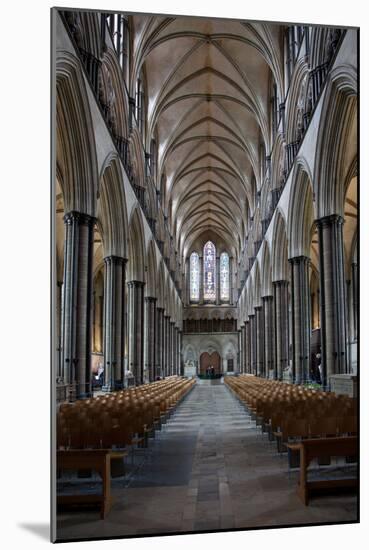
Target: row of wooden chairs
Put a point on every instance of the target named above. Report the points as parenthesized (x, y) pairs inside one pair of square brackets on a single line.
[(120, 419), (291, 412)]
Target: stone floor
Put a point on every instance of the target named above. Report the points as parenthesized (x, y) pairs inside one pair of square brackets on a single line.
[(209, 469)]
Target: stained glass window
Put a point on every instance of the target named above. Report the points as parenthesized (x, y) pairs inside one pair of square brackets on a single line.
[(194, 277), (209, 272), (224, 276)]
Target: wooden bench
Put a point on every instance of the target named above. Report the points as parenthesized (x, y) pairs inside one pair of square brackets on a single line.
[(318, 448), (98, 460)]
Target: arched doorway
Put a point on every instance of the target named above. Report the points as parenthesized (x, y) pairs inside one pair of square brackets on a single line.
[(209, 360)]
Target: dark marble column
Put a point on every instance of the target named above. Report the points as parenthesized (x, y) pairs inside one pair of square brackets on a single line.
[(252, 344), (175, 352), (166, 345), (77, 300), (180, 363), (114, 314), (332, 296), (301, 324), (269, 349), (259, 326), (136, 329), (150, 336), (243, 342), (281, 327), (248, 346), (240, 348), (159, 353), (172, 348)]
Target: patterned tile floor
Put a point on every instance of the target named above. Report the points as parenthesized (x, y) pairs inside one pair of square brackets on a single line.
[(209, 468)]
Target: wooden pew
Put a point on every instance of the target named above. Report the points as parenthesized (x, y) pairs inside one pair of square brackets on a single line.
[(98, 460), (323, 447)]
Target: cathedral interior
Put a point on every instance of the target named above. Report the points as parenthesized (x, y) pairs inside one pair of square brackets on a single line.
[(206, 274)]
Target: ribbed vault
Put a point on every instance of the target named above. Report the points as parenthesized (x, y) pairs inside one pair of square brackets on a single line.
[(208, 96)]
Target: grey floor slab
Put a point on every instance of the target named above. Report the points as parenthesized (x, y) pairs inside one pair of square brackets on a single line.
[(209, 468)]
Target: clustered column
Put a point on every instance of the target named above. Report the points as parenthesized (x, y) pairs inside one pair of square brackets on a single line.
[(332, 296), (114, 313), (136, 329), (252, 344), (243, 348), (259, 329), (247, 347), (180, 366), (300, 296), (166, 345), (240, 348), (268, 334), (171, 348), (150, 337), (281, 327), (159, 361), (77, 321)]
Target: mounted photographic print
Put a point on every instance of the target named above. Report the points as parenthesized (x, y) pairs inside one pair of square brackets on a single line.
[(205, 275)]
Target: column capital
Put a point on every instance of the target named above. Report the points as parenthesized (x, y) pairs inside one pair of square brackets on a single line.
[(78, 217), (268, 298), (258, 308), (299, 259), (166, 316), (282, 282), (330, 220), (150, 299), (160, 309), (135, 284), (115, 259), (172, 322)]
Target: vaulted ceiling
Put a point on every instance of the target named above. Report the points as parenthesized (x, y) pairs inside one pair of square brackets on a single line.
[(208, 84)]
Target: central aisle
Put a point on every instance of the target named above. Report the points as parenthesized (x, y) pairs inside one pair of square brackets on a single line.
[(208, 469)]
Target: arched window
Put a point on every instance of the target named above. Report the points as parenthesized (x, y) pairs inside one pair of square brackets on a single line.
[(209, 272), (194, 277), (119, 30), (224, 276)]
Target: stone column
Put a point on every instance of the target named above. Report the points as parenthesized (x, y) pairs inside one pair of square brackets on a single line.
[(240, 348), (281, 327), (244, 349), (114, 313), (332, 296), (252, 344), (166, 345), (77, 298), (181, 366), (175, 351), (259, 326), (247, 346), (217, 280), (150, 336), (172, 348), (268, 334), (231, 280), (159, 341), (301, 323), (136, 329)]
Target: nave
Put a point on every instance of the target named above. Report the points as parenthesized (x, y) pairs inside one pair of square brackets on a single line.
[(209, 468)]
